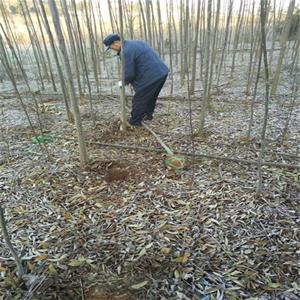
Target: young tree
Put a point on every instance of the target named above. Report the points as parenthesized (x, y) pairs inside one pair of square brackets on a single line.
[(207, 66), (263, 14), (58, 65), (63, 49), (170, 37), (195, 45), (83, 60), (149, 26), (283, 45), (123, 97), (226, 38)]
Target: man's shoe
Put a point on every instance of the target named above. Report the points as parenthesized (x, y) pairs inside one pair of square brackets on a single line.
[(135, 124), (147, 117)]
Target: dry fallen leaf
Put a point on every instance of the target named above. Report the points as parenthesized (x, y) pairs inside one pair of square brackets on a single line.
[(139, 285)]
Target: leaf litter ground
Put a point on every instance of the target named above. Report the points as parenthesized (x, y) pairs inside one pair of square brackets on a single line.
[(129, 228)]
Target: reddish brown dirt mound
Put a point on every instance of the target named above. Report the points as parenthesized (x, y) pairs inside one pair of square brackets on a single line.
[(117, 174), (111, 170)]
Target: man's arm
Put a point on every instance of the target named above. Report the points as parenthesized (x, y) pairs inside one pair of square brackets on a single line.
[(129, 66)]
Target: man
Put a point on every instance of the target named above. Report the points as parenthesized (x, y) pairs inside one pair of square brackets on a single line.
[(145, 71)]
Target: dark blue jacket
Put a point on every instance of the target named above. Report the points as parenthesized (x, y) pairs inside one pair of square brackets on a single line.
[(143, 66)]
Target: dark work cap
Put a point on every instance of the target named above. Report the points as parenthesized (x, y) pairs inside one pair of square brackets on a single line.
[(109, 39)]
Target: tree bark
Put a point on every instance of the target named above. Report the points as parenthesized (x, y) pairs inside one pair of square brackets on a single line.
[(122, 89), (283, 42), (81, 140), (263, 13), (207, 66)]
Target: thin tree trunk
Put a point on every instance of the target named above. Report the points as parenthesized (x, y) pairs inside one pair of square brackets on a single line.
[(195, 45), (112, 24), (81, 140), (186, 37), (254, 97), (72, 45), (85, 68), (144, 21), (91, 42), (97, 48), (263, 13), (283, 40), (36, 41), (168, 8), (45, 46), (122, 89), (213, 49), (5, 62), (236, 36), (207, 66), (181, 32), (21, 269), (252, 45), (102, 30), (25, 77), (175, 32), (34, 49), (202, 32), (273, 35), (154, 28), (220, 64), (148, 18), (160, 30), (60, 72), (295, 92), (8, 26)]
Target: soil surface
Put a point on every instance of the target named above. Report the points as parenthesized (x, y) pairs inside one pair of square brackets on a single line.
[(129, 227)]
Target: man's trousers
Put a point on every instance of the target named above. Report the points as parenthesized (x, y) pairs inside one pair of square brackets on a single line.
[(144, 101)]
